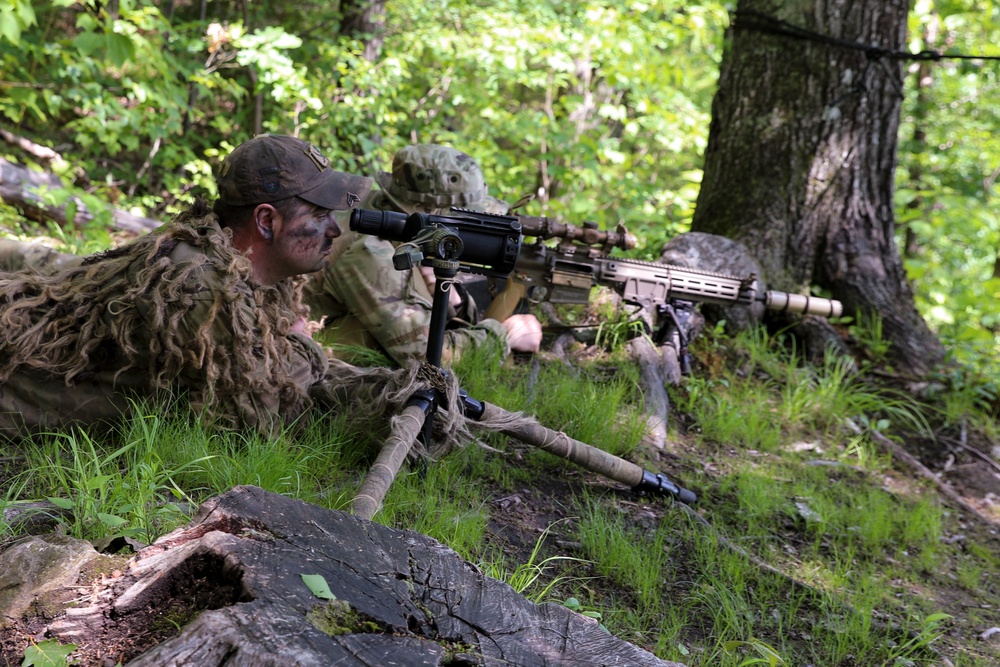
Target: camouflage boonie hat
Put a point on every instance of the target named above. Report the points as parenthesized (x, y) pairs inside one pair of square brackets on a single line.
[(272, 167), (430, 176)]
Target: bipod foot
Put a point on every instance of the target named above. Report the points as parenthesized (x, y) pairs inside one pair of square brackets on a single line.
[(660, 483)]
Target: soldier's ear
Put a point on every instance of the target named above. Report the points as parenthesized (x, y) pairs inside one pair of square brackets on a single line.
[(264, 218)]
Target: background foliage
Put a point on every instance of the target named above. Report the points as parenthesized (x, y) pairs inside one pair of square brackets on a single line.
[(600, 108)]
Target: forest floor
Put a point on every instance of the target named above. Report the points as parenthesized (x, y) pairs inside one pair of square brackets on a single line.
[(539, 508), (932, 604)]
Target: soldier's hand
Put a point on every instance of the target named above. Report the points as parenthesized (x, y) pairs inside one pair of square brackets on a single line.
[(524, 333)]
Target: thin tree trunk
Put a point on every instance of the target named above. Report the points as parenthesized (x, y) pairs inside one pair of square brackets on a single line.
[(924, 71), (365, 20), (801, 160)]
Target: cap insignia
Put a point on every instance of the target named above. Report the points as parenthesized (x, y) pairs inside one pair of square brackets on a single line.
[(352, 199), (270, 179), (320, 160)]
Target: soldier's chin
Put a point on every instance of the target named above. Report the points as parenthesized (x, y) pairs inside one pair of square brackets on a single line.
[(320, 265)]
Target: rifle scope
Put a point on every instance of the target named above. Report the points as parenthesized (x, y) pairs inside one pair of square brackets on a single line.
[(489, 243), (543, 227)]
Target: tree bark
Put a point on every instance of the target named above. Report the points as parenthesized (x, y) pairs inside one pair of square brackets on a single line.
[(801, 160)]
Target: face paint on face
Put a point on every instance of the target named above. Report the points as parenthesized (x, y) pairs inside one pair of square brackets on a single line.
[(305, 239)]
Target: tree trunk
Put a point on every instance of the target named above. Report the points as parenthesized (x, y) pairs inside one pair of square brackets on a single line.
[(246, 571), (801, 160)]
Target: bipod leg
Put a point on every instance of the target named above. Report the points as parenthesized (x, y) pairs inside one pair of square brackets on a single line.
[(406, 428), (589, 457)]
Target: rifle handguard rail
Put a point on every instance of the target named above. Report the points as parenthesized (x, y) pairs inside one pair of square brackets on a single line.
[(645, 282)]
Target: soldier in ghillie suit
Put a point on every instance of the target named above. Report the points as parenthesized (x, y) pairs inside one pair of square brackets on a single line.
[(208, 306), (367, 302)]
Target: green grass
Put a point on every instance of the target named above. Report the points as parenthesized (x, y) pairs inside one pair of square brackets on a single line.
[(860, 571), (532, 578), (632, 560)]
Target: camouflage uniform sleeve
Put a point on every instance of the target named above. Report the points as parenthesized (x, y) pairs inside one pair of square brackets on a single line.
[(394, 306)]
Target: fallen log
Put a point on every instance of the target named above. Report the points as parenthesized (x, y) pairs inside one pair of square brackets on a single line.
[(23, 188)]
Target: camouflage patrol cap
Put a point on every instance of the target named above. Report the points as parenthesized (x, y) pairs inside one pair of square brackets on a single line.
[(433, 177), (272, 167)]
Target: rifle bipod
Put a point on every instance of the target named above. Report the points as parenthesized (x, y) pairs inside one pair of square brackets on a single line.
[(409, 425)]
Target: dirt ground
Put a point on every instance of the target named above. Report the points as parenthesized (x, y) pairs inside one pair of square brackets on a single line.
[(117, 641)]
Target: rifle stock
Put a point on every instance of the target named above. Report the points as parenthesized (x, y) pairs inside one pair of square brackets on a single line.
[(505, 303)]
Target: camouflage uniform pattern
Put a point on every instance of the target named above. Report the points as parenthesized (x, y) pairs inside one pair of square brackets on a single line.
[(175, 312), (365, 300)]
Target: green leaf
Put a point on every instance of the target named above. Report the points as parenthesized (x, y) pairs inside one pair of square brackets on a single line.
[(25, 12), (62, 503), (317, 584), (10, 28), (120, 49), (50, 653), (111, 520), (89, 43)]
